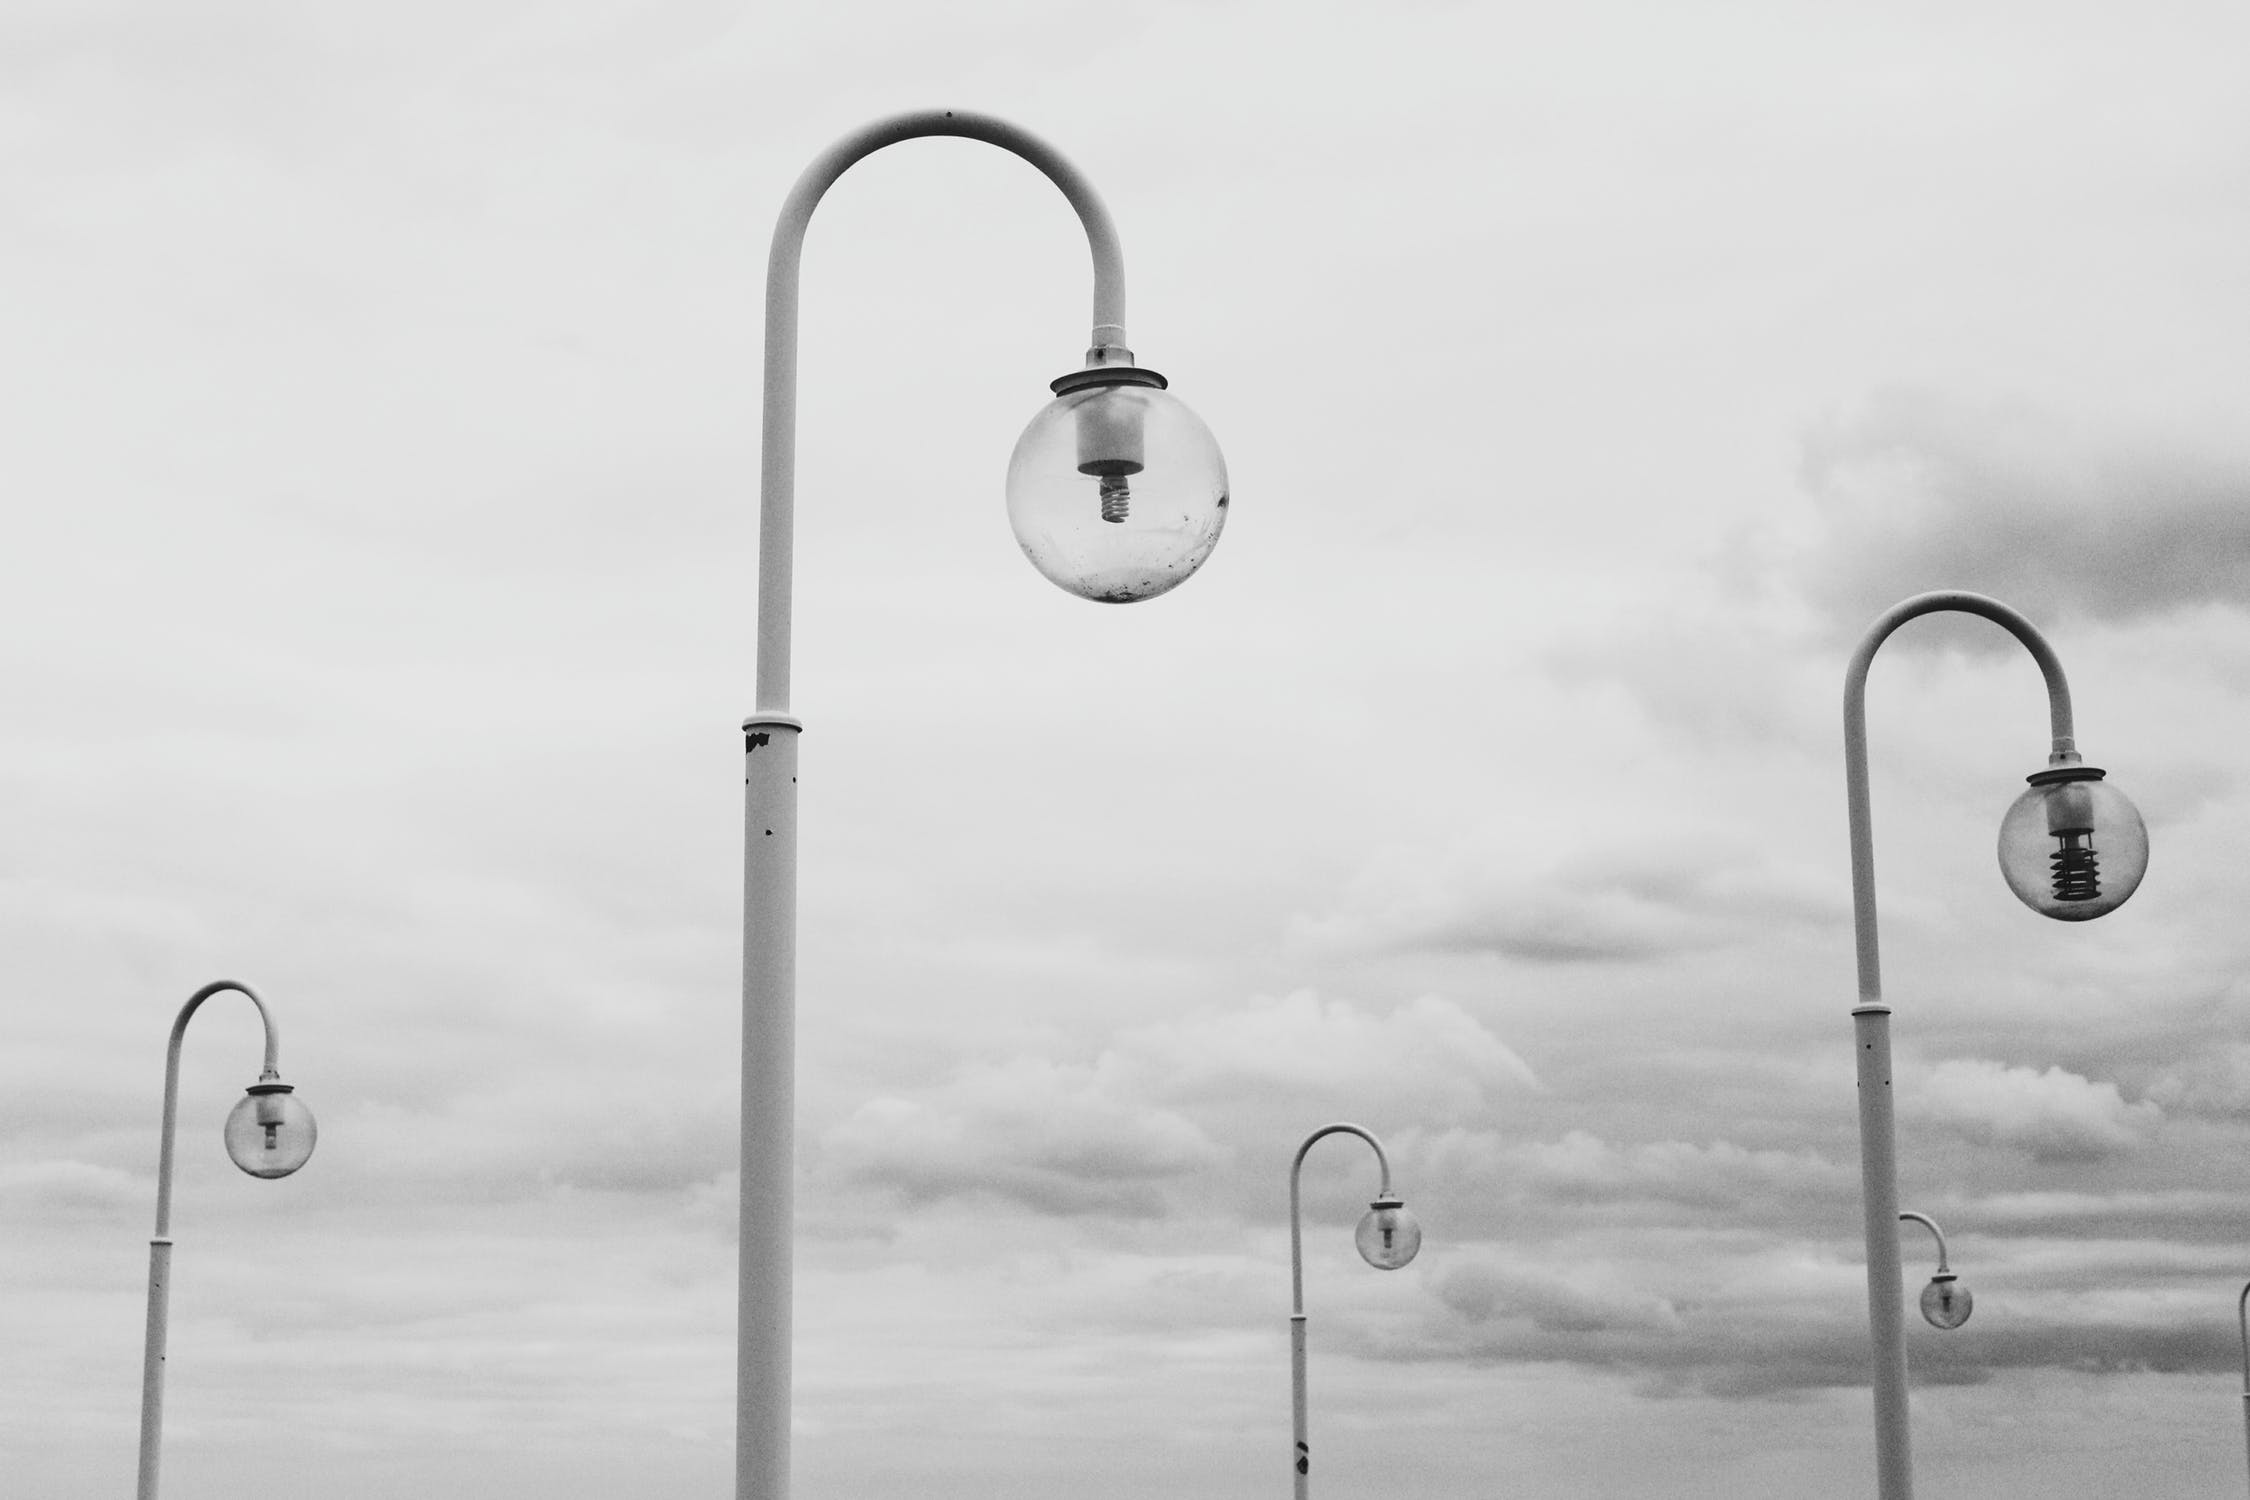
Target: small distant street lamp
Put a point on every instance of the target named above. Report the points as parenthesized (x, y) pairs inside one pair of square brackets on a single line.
[(2242, 1317), (1116, 492), (1387, 1237), (270, 1133), (1946, 1304), (2071, 847)]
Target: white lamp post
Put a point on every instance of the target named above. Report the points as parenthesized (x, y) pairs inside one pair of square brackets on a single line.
[(1116, 492), (2242, 1317), (269, 1134), (1387, 1237), (1946, 1304), (2072, 847)]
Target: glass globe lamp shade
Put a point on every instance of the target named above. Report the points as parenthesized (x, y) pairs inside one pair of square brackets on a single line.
[(1116, 491), (1945, 1302), (270, 1133), (1388, 1235), (2072, 847)]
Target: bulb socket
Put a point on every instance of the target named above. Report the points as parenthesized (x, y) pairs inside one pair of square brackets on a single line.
[(1111, 421)]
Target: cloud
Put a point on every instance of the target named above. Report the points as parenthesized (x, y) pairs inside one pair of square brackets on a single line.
[(2057, 1116), (1655, 898), (1122, 1133), (1588, 1260), (1449, 1061), (2213, 1079), (2178, 1215), (1485, 1186), (1720, 660), (1583, 1168), (528, 1140), (1720, 1321), (72, 1190), (1058, 1138), (1483, 1289), (2054, 515), (2139, 1345), (1719, 1316)]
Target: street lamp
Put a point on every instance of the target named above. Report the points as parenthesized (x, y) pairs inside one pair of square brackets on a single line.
[(270, 1133), (2072, 847), (1116, 492), (1946, 1304), (1387, 1237), (2242, 1317)]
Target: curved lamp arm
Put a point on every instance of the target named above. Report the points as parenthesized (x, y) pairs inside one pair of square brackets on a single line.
[(1931, 1225), (1296, 1225), (2065, 751), (778, 456), (271, 1070)]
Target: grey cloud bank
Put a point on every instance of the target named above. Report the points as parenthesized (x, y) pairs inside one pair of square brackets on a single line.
[(2057, 512)]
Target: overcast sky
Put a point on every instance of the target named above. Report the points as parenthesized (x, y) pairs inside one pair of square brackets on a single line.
[(378, 435)]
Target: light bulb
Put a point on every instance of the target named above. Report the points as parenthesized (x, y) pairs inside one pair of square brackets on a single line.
[(1945, 1302), (2076, 863), (1388, 1235), (1116, 491), (1112, 425), (2073, 847), (270, 1132)]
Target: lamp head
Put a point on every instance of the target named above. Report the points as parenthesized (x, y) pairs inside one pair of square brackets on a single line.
[(2073, 847), (270, 1133), (1388, 1234), (1116, 491), (1945, 1302)]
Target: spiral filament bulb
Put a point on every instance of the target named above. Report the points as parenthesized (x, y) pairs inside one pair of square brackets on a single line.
[(273, 1134), (2077, 869), (1117, 500), (2075, 865)]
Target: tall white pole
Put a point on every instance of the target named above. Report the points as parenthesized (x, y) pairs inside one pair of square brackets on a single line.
[(152, 1364), (769, 885), (1301, 1461), (1878, 1135), (160, 1244)]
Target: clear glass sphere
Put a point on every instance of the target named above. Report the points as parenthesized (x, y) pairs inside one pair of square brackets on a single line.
[(1388, 1235), (270, 1132), (1117, 491), (1946, 1303), (2073, 847)]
